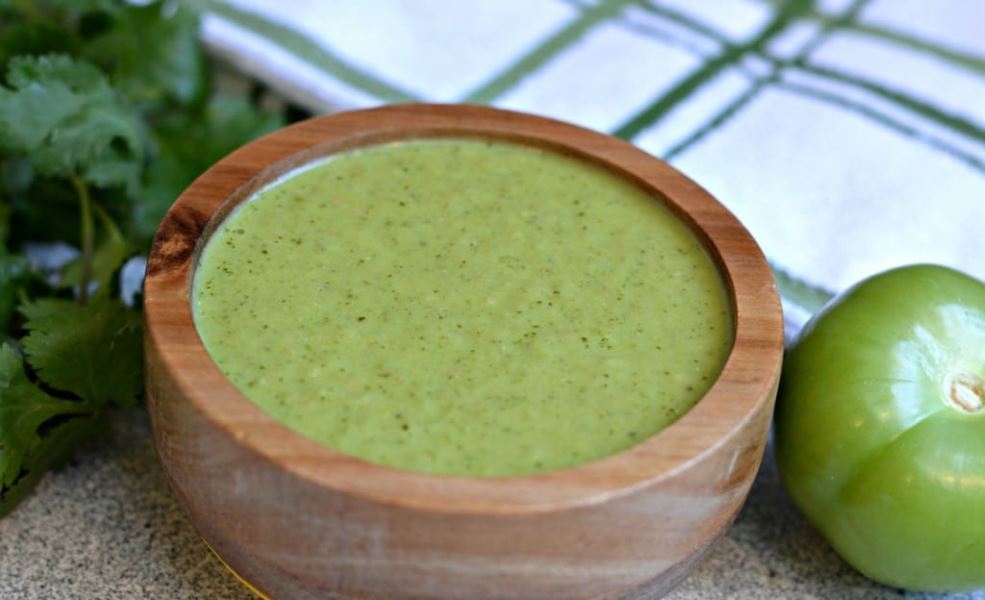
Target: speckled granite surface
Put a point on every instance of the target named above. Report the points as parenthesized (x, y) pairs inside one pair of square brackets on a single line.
[(109, 527)]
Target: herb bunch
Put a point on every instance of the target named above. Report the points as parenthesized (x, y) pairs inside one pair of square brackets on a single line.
[(106, 113)]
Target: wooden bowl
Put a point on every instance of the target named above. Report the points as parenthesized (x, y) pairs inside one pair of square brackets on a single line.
[(297, 519)]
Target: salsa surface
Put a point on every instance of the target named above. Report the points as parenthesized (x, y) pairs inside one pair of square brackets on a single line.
[(463, 307)]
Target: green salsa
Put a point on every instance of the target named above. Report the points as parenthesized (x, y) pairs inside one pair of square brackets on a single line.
[(463, 307)]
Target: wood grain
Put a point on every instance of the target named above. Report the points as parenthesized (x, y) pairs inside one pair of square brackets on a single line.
[(299, 520)]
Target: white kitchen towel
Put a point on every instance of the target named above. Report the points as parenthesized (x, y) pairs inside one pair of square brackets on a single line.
[(848, 135)]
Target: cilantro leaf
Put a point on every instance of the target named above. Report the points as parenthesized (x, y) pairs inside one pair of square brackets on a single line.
[(13, 271), (86, 6), (189, 143), (42, 308), (152, 53), (63, 115), (4, 223), (48, 211), (93, 351), (20, 38), (105, 117), (16, 175), (24, 409), (54, 448)]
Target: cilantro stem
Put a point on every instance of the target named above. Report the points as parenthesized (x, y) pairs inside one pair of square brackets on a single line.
[(85, 214)]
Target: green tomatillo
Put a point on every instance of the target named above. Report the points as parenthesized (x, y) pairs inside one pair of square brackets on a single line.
[(880, 427)]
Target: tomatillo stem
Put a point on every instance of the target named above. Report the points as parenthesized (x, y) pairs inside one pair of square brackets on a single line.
[(965, 392)]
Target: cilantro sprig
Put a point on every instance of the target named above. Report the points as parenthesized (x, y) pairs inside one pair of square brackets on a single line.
[(106, 113)]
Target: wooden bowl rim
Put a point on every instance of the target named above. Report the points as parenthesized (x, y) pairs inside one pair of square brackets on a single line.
[(746, 382)]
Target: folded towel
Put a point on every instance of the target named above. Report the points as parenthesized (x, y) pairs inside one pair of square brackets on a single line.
[(848, 136)]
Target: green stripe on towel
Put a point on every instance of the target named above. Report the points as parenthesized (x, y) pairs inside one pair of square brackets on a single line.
[(311, 52)]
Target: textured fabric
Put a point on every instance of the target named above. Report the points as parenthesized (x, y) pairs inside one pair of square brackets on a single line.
[(849, 136)]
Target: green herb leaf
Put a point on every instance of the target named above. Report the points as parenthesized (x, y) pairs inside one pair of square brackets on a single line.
[(24, 409), (4, 224), (53, 450), (46, 212), (93, 351), (14, 270), (16, 176), (21, 38), (63, 115), (80, 7), (188, 144), (39, 309), (153, 54), (105, 117)]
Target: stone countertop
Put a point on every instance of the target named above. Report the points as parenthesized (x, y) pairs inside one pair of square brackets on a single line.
[(108, 527)]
